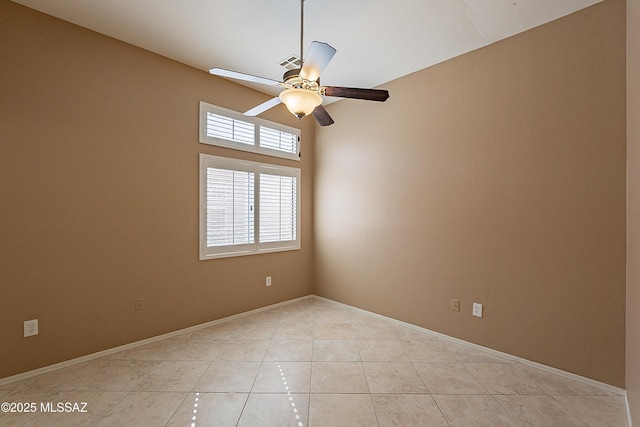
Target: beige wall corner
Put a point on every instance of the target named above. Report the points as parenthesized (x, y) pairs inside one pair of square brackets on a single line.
[(99, 182), (633, 209), (497, 177)]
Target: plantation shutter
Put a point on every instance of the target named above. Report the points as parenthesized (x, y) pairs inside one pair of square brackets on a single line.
[(230, 129), (275, 139), (278, 208), (229, 207), (247, 207)]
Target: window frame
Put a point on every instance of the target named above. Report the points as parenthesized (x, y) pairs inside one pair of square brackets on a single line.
[(257, 247), (257, 122)]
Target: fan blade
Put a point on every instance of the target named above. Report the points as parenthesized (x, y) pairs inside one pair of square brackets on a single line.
[(353, 92), (263, 107), (318, 57), (322, 117), (242, 76)]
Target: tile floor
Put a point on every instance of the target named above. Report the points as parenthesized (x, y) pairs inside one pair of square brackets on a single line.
[(310, 363)]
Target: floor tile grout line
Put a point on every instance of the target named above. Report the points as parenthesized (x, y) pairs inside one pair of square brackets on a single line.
[(201, 376), (244, 406), (420, 376), (444, 417), (373, 407), (475, 377), (507, 411), (310, 376), (572, 410), (366, 380), (177, 408)]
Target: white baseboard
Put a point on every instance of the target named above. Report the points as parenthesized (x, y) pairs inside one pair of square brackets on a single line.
[(507, 356), (97, 355)]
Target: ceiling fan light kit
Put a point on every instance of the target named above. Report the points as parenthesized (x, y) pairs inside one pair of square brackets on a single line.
[(302, 94), (300, 102)]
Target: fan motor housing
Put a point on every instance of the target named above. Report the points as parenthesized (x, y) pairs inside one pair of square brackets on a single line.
[(292, 79), (291, 74)]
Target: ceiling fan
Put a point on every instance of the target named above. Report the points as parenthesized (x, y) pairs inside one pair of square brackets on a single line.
[(302, 92)]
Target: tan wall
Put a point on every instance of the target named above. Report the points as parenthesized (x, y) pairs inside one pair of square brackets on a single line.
[(633, 208), (497, 177), (99, 193)]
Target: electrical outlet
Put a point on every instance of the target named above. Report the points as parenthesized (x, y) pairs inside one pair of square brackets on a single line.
[(268, 281), (455, 305), (477, 309), (30, 328), (139, 304)]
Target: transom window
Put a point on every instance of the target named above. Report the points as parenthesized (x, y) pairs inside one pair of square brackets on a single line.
[(230, 129)]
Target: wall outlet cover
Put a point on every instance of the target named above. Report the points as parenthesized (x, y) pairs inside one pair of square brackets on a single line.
[(30, 328), (477, 309)]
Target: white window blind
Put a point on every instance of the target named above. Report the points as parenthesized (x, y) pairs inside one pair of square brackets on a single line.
[(278, 140), (242, 200), (277, 208), (230, 207), (230, 129), (226, 128)]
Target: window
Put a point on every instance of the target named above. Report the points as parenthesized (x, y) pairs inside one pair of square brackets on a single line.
[(247, 207), (230, 129)]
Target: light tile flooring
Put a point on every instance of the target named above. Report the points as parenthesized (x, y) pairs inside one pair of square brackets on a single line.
[(310, 363)]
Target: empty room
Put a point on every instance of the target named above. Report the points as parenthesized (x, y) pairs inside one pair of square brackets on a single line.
[(320, 213)]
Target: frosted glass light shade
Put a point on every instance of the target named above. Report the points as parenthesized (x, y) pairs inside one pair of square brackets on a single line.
[(300, 102)]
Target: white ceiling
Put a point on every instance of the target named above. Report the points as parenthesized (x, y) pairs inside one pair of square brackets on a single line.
[(377, 40)]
